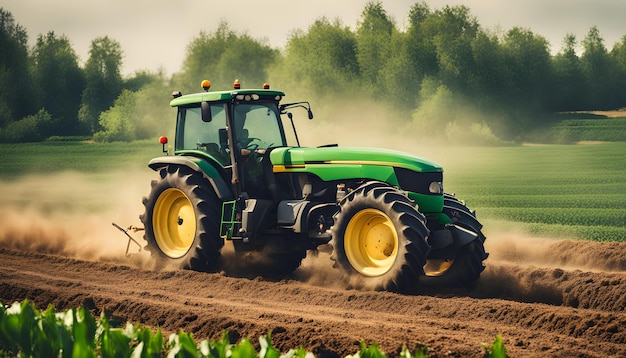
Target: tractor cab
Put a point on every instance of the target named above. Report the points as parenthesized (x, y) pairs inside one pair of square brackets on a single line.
[(235, 130)]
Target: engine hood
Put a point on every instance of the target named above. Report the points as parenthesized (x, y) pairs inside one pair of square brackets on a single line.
[(294, 157)]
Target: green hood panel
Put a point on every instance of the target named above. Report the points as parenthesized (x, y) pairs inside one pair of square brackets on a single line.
[(297, 157), (336, 163)]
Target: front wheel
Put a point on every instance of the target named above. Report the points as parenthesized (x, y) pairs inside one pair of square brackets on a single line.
[(379, 239), (182, 215), (452, 266)]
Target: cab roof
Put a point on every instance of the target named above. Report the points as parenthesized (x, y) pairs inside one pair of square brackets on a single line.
[(217, 96)]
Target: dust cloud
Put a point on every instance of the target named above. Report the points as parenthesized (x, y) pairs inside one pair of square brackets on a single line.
[(71, 213), (523, 249), (360, 123), (352, 120), (318, 270), (553, 271)]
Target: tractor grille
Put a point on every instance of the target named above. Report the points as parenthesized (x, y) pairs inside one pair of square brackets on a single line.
[(417, 182)]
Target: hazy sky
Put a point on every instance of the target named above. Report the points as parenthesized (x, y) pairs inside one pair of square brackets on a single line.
[(155, 33)]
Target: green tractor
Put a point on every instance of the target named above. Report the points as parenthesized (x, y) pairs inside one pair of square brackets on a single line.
[(239, 175)]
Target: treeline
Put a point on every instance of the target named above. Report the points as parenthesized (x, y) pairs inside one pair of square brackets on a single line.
[(444, 75)]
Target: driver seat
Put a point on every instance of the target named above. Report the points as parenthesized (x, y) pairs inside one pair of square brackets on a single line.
[(223, 135)]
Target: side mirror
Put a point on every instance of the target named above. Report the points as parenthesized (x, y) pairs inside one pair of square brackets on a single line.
[(206, 112), (310, 113)]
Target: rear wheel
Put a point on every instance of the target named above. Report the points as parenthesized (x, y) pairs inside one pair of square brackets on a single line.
[(182, 220), (457, 267), (379, 239)]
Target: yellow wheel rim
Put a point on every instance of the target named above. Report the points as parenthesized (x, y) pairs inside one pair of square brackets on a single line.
[(371, 242), (174, 223), (437, 267)]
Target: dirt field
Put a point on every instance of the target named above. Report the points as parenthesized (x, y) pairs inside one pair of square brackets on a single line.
[(547, 298)]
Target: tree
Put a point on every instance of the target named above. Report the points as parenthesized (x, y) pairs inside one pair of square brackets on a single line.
[(599, 72), (618, 57), (118, 121), (16, 99), (103, 81), (618, 53), (398, 79), (491, 78), (422, 52), (322, 58), (373, 41), (569, 81), (32, 128), (528, 59), (138, 114), (224, 56), (451, 31), (141, 79), (60, 81)]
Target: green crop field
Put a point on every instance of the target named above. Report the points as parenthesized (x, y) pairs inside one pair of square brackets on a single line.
[(586, 128), (86, 157), (560, 191)]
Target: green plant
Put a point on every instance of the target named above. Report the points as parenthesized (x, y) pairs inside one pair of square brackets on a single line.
[(496, 350), (373, 351), (27, 332), (369, 351)]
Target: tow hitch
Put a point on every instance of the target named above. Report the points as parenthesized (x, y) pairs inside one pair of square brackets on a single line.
[(130, 238)]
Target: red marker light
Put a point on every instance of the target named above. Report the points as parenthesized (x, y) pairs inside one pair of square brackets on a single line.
[(236, 85), (163, 141), (266, 85)]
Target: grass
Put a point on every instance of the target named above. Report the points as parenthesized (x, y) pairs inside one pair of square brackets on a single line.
[(81, 156), (562, 191), (586, 128)]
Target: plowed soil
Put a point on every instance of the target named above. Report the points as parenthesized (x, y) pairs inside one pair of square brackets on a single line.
[(540, 311), (548, 298)]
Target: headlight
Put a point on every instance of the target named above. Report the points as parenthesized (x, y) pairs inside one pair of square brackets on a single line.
[(436, 187)]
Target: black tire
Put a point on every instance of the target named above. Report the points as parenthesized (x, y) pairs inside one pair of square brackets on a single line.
[(463, 265), (182, 218), (379, 239)]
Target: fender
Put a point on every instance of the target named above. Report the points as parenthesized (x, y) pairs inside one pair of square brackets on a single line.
[(208, 170)]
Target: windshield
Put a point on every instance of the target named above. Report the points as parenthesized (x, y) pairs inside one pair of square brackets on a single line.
[(257, 126)]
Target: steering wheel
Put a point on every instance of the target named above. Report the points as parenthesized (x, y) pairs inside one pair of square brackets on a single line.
[(252, 147), (249, 141)]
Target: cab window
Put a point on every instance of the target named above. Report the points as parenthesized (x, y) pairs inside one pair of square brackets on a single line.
[(194, 134)]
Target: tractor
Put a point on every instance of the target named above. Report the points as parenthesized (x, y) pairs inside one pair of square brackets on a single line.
[(238, 175)]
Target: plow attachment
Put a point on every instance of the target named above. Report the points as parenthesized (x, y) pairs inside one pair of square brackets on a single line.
[(130, 238)]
